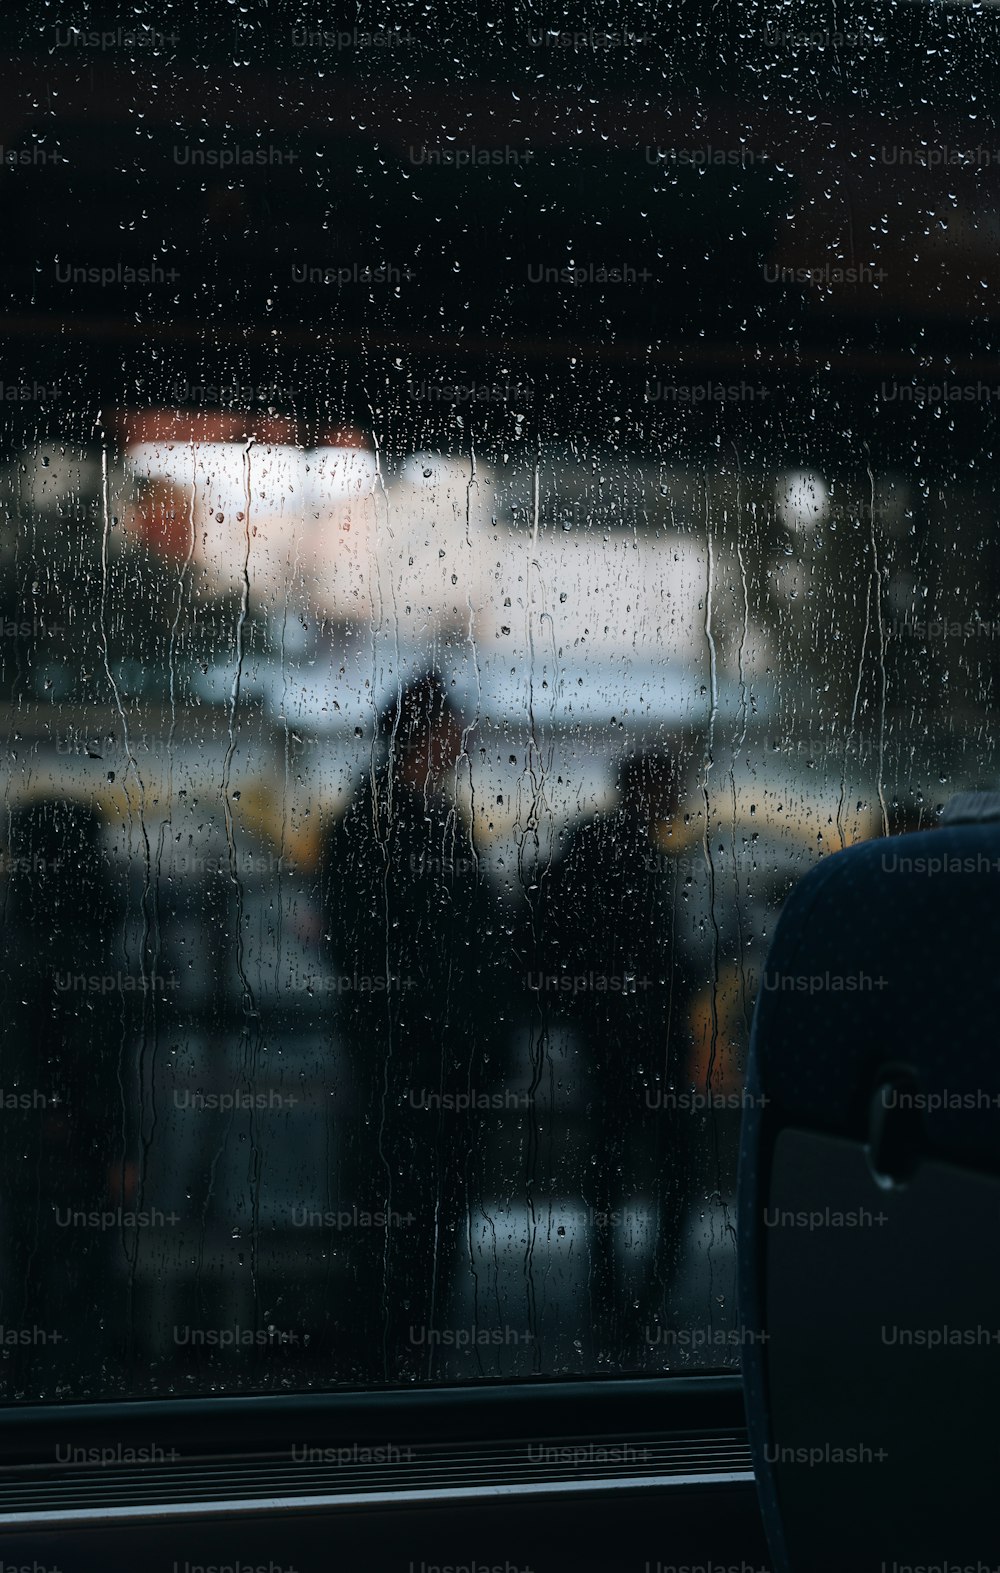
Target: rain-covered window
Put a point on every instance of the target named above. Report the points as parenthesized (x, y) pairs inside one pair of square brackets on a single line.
[(483, 512)]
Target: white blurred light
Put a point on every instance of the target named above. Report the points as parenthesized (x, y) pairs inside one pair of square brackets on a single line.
[(309, 512), (803, 500)]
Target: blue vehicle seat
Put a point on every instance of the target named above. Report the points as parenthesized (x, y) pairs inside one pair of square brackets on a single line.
[(869, 1208)]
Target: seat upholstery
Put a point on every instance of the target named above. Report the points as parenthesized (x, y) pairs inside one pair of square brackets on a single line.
[(874, 1093)]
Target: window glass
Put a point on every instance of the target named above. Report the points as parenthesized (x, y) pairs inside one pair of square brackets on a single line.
[(484, 510)]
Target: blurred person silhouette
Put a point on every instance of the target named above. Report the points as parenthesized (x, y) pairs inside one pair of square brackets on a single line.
[(407, 916), (618, 968), (60, 1043)]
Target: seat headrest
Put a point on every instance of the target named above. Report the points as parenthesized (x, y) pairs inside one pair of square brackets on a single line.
[(888, 955)]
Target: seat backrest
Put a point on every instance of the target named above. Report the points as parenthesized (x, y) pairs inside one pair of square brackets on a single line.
[(869, 1209)]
